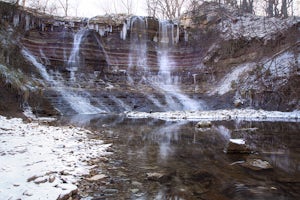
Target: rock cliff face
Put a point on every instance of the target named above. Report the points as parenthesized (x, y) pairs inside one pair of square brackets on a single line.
[(207, 60)]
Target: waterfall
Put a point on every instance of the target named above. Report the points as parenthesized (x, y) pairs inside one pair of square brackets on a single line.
[(101, 47), (138, 45), (165, 81), (74, 61), (79, 103)]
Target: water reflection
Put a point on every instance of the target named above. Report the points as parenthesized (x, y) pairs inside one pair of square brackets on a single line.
[(224, 132), (192, 161), (164, 136)]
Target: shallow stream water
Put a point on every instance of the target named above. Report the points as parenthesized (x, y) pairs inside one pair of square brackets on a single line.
[(156, 159)]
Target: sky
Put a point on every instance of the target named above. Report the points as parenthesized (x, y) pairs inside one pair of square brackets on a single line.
[(90, 8)]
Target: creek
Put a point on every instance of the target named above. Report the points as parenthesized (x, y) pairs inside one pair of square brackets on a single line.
[(156, 159)]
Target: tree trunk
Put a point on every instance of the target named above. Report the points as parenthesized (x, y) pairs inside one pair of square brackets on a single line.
[(284, 11), (270, 10)]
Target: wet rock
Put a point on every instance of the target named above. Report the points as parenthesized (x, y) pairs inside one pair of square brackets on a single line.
[(51, 179), (69, 191), (32, 178), (40, 180), (293, 180), (256, 164), (154, 176), (104, 159), (26, 193), (110, 191), (203, 177), (97, 177), (137, 184), (135, 190), (238, 103), (160, 177), (204, 124), (237, 146), (250, 130)]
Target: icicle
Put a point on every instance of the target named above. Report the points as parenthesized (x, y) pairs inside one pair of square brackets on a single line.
[(186, 36), (165, 36), (124, 32), (27, 25), (43, 27), (171, 26), (16, 20), (177, 34), (102, 31)]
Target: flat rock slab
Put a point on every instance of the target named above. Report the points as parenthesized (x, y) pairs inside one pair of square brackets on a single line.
[(257, 164)]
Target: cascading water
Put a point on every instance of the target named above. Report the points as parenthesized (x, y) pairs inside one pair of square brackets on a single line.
[(150, 76), (167, 82), (163, 82), (138, 46), (74, 61), (78, 103)]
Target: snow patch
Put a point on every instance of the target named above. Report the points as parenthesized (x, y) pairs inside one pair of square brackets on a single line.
[(238, 141), (43, 162), (225, 85), (281, 66), (217, 115), (251, 27)]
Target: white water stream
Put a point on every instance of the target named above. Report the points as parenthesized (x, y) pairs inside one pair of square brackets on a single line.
[(163, 82), (74, 58), (80, 104)]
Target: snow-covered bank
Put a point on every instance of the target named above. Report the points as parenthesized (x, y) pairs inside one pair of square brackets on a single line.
[(43, 162), (215, 115)]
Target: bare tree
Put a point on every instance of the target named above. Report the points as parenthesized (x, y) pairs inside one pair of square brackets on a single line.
[(23, 3), (65, 6), (128, 5), (152, 7), (118, 6), (169, 9), (247, 6), (285, 5), (284, 10), (39, 5)]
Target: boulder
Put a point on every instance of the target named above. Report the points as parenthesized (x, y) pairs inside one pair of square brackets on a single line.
[(204, 124), (237, 146)]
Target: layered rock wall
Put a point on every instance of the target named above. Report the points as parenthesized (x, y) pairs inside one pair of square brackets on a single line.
[(219, 56)]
